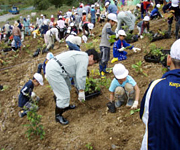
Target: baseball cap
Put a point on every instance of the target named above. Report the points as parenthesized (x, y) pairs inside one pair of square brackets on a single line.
[(175, 50), (120, 71), (39, 78)]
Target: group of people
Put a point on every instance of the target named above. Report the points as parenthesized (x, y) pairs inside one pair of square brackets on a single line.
[(159, 106)]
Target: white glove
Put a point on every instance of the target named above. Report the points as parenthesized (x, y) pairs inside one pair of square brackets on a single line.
[(136, 49), (135, 104), (81, 96), (121, 49), (33, 95), (105, 13), (141, 37)]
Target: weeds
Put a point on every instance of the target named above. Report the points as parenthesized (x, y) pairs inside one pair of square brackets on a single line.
[(133, 111), (138, 68), (34, 126), (5, 87), (89, 146)]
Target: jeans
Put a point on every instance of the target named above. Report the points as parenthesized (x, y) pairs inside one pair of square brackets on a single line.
[(17, 40), (72, 46)]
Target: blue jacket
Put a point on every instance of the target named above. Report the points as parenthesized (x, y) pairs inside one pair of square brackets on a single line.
[(44, 66), (25, 93), (93, 13), (160, 111), (112, 9), (119, 44), (44, 29), (154, 11)]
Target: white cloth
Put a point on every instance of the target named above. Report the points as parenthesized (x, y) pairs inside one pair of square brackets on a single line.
[(74, 39)]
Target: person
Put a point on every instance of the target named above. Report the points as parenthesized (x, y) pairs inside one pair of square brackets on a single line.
[(160, 107), (87, 28), (155, 12), (16, 35), (123, 89), (128, 18), (77, 20), (59, 70), (50, 35), (143, 26), (73, 28), (84, 17), (98, 12), (43, 66), (105, 44), (61, 24), (21, 27), (26, 27), (26, 93), (120, 46), (144, 8), (73, 41), (93, 15), (136, 11), (111, 8), (7, 29), (44, 29)]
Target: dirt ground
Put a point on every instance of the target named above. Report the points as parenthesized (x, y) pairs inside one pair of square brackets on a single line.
[(89, 122)]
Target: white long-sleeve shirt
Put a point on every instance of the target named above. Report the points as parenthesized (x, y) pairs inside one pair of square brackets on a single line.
[(74, 39), (53, 32)]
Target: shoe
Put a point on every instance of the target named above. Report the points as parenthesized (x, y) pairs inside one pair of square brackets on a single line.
[(102, 75), (36, 53), (72, 106), (44, 51), (61, 120), (22, 113), (118, 103), (130, 103), (114, 60)]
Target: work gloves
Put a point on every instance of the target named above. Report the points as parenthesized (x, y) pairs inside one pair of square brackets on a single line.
[(136, 49), (81, 96), (135, 105), (121, 49), (141, 37)]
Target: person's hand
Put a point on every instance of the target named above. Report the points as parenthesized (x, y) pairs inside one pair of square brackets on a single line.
[(141, 37), (81, 96), (135, 104), (136, 49), (121, 49)]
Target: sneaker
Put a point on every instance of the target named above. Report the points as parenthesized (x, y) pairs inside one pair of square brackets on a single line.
[(22, 113), (118, 103), (130, 103), (102, 75)]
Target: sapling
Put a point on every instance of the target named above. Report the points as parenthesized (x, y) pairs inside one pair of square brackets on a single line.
[(138, 68)]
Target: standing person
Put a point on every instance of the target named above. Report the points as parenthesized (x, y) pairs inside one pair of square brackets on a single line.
[(111, 8), (44, 29), (7, 29), (16, 35), (105, 44), (93, 15), (58, 72), (120, 46), (160, 107), (124, 88), (61, 24), (26, 27), (98, 12), (25, 97), (21, 27)]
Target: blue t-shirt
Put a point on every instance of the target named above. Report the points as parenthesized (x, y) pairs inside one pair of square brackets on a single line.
[(115, 83)]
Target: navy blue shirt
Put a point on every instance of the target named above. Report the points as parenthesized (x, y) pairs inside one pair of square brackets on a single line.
[(160, 111), (44, 29), (25, 93)]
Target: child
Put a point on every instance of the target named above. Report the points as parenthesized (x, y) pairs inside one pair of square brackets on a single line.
[(98, 12), (143, 26), (136, 11), (105, 44), (25, 96), (155, 12), (84, 18), (93, 15), (120, 46), (124, 88)]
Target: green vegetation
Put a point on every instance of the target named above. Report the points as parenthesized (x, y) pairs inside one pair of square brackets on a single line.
[(138, 68), (133, 111), (5, 87), (89, 146), (34, 126), (156, 51)]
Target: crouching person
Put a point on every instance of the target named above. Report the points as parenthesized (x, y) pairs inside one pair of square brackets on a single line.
[(26, 95), (59, 70), (123, 89)]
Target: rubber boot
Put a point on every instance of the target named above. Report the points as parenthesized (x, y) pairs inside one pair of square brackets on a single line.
[(70, 107), (169, 29), (45, 50), (177, 30), (58, 116), (114, 60)]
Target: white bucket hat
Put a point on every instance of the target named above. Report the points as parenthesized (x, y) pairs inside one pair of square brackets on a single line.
[(90, 26), (112, 17), (121, 32), (175, 50), (49, 56), (138, 5), (39, 78), (120, 71), (107, 3)]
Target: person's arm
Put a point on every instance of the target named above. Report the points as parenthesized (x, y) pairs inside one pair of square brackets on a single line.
[(136, 101), (110, 32), (111, 97)]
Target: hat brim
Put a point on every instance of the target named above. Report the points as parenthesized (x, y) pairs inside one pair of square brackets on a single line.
[(41, 83), (124, 75)]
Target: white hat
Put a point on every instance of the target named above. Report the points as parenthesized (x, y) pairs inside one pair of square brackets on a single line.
[(107, 3), (41, 15), (112, 17), (138, 5), (146, 18), (73, 33), (71, 24), (97, 5), (84, 38), (49, 56), (92, 6), (152, 4), (120, 71), (60, 17), (39, 78), (52, 16), (121, 32), (175, 3), (90, 26), (28, 16), (158, 5), (122, 14), (84, 11), (175, 50)]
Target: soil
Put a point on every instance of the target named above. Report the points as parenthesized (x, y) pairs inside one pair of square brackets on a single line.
[(90, 122)]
